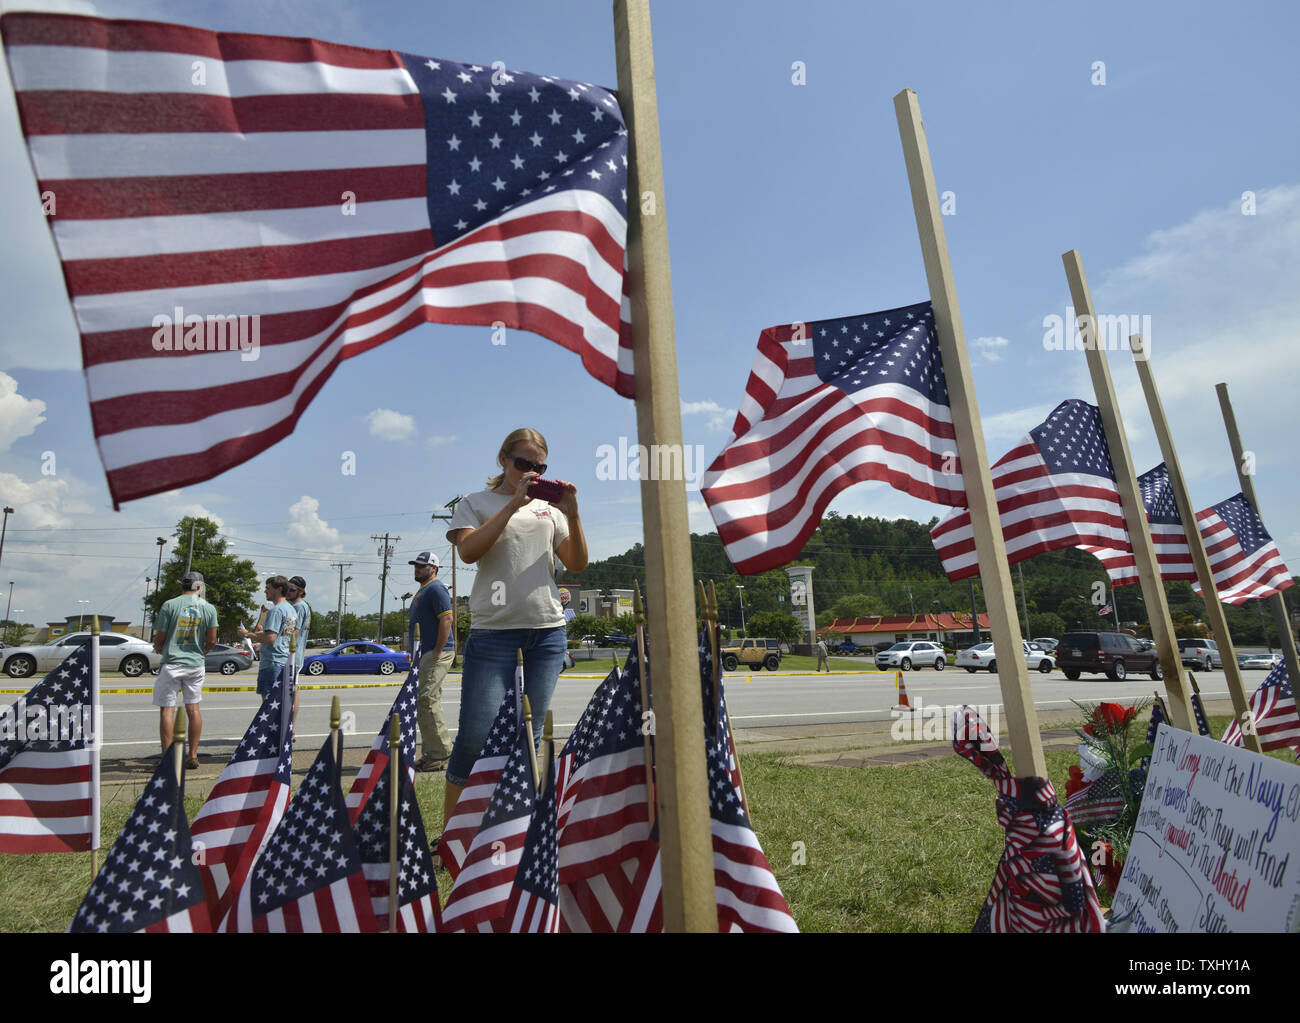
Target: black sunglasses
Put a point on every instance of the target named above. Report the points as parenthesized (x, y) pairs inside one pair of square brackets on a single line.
[(523, 465)]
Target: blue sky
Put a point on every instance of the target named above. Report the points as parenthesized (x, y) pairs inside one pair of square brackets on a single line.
[(784, 202)]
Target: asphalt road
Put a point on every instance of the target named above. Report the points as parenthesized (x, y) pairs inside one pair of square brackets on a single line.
[(757, 700)]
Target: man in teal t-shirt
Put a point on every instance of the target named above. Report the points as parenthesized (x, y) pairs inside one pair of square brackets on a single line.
[(274, 637), (185, 629)]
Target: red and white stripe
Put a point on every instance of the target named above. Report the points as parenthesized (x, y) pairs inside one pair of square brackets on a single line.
[(797, 442), (1276, 721), (339, 908), (1038, 511), (483, 887), (224, 199), (1238, 577), (46, 802), (420, 916), (234, 824), (194, 920)]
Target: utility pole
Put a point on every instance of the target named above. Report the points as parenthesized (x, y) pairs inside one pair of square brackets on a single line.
[(974, 615), (189, 558), (145, 613), (338, 625), (455, 608), (385, 551)]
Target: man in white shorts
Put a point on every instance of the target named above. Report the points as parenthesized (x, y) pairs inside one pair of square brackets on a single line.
[(184, 631)]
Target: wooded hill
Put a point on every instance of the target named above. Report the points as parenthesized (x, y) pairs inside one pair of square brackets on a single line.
[(867, 566)]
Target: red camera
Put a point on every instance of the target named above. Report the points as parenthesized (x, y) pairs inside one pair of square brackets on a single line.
[(546, 490)]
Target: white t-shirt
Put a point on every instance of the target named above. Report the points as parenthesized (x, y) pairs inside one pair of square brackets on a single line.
[(514, 587)]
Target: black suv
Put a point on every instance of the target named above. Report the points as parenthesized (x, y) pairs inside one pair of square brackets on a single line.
[(1105, 653)]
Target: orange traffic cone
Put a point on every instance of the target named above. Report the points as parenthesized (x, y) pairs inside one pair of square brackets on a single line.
[(901, 686)]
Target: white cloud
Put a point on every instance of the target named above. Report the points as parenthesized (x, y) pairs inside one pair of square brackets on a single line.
[(308, 529), (990, 348), (19, 416), (1010, 426), (37, 505), (386, 424), (440, 440), (700, 519), (719, 418)]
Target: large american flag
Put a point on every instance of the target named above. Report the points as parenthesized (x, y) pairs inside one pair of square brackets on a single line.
[(459, 830), (1054, 489), (340, 195), (604, 810), (418, 907), (827, 404), (47, 747), (1274, 712), (248, 800), (308, 879), (1042, 883), (1243, 557), (376, 762), (149, 881), (483, 886), (533, 906)]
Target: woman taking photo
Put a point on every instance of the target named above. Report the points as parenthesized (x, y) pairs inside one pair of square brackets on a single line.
[(513, 540)]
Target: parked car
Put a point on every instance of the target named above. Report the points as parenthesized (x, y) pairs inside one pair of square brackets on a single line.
[(848, 647), (618, 639), (1200, 653), (358, 658), (227, 659), (117, 652), (915, 653), (568, 660), (1266, 661), (1113, 654), (982, 656), (1047, 643), (756, 653)]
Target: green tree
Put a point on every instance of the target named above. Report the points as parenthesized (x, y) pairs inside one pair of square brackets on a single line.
[(625, 624), (858, 605), (779, 625), (1046, 624), (230, 583)]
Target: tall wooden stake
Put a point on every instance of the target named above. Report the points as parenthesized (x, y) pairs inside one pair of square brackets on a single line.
[(995, 571), (394, 794), (1187, 512), (686, 846), (1135, 516), (336, 735), (532, 749), (1276, 603), (647, 712)]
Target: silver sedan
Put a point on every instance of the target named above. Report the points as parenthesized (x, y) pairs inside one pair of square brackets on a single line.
[(117, 652)]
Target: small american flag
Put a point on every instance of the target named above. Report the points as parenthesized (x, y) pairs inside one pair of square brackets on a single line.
[(1055, 489), (47, 746), (376, 762), (463, 825), (828, 404), (333, 197), (1098, 802), (603, 816), (1104, 610), (308, 879), (1198, 711), (533, 907), (1273, 710), (1042, 883), (418, 908), (248, 800), (149, 881), (1158, 717), (1243, 558), (483, 887)]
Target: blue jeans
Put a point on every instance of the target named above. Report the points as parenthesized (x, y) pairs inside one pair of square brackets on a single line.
[(267, 672), (491, 656)]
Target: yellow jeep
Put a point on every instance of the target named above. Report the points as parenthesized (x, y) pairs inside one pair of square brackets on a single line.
[(757, 653)]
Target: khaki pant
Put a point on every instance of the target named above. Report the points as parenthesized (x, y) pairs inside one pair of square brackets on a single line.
[(433, 729)]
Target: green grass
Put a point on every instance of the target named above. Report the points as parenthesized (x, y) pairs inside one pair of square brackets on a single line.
[(892, 849)]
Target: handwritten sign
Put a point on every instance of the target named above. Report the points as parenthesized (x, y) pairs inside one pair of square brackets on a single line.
[(1217, 842)]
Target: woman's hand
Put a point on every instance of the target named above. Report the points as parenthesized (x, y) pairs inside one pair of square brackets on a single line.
[(568, 502), (520, 496)]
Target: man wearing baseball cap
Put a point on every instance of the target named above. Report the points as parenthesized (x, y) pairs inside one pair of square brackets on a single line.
[(431, 610), (184, 631)]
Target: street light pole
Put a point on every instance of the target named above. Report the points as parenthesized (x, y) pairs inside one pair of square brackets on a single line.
[(10, 604), (406, 632), (144, 614), (4, 528), (741, 591), (82, 616), (455, 607), (345, 601)]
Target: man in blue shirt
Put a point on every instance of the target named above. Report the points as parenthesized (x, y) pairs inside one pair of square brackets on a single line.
[(297, 597), (274, 637), (431, 610)]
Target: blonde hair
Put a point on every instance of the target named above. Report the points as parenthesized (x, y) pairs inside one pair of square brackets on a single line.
[(521, 436)]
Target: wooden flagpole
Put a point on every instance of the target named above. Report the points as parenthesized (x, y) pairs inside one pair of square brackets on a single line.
[(995, 570), (1135, 516), (1276, 602), (685, 841), (647, 723), (394, 788), (532, 749), (1187, 512), (336, 735), (97, 724)]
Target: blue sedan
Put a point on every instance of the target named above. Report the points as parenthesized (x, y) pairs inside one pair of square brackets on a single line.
[(358, 658)]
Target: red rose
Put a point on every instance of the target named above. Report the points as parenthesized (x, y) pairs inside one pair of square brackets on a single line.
[(1075, 782), (1109, 718)]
